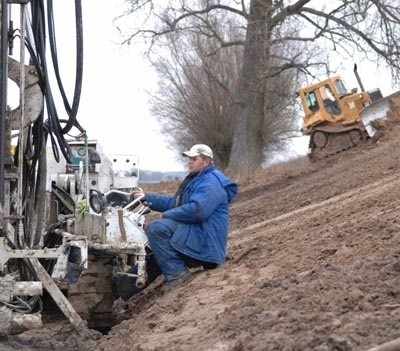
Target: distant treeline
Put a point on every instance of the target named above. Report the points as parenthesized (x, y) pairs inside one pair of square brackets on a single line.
[(155, 177)]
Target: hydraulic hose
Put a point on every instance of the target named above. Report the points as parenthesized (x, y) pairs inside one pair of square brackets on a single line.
[(72, 111), (52, 125)]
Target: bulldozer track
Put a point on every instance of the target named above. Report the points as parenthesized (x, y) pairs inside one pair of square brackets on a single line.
[(324, 144)]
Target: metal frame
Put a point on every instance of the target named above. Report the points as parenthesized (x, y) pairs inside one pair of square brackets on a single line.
[(3, 96)]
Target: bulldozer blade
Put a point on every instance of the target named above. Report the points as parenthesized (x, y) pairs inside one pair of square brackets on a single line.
[(377, 110), (373, 112)]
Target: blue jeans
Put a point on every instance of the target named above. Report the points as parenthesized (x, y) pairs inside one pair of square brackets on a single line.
[(170, 261)]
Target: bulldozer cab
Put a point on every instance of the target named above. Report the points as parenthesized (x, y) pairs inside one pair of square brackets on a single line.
[(330, 101), (331, 104)]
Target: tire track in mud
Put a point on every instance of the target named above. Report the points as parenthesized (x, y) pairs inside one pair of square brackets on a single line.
[(358, 194)]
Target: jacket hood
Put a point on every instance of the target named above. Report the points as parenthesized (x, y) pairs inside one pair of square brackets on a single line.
[(229, 185)]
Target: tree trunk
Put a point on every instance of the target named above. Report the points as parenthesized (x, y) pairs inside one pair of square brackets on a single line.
[(247, 148)]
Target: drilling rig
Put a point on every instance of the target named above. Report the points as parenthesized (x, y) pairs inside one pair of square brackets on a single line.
[(66, 228)]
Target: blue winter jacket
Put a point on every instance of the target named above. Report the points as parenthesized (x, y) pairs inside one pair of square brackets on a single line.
[(203, 215)]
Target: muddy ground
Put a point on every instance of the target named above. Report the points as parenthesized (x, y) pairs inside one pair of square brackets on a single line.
[(313, 264)]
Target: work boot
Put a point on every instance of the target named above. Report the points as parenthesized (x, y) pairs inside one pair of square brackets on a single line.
[(171, 284)]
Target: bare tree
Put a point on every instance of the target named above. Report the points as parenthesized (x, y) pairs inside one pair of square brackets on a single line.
[(369, 27), (198, 81), (195, 100)]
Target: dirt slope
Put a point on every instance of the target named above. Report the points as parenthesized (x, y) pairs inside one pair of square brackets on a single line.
[(313, 264)]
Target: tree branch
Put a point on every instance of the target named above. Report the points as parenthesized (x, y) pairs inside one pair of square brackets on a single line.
[(288, 11), (354, 30)]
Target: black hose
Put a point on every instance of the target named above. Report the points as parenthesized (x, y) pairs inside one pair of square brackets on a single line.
[(53, 122), (72, 112)]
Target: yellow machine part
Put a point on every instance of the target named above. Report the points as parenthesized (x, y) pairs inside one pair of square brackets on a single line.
[(332, 117), (332, 139)]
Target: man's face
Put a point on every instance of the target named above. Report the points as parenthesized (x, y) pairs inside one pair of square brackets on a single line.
[(197, 163)]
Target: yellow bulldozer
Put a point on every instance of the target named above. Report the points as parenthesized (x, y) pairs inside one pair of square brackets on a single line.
[(337, 119)]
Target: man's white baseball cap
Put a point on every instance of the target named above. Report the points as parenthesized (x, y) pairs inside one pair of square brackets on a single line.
[(199, 149)]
